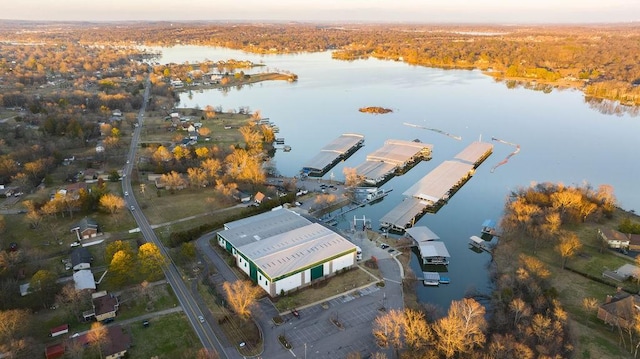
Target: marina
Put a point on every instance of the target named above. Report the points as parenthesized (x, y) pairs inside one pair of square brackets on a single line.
[(336, 151), (394, 157), (435, 189)]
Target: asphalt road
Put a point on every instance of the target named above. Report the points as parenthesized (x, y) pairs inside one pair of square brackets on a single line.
[(192, 308)]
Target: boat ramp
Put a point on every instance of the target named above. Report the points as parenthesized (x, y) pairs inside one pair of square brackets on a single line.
[(336, 151), (395, 157), (435, 189)]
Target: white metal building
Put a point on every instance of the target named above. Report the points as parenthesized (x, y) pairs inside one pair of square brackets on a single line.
[(283, 251)]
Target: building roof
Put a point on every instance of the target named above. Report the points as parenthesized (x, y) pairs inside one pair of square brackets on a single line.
[(84, 279), (402, 214), (295, 250), (398, 152), (437, 183), (261, 226), (421, 234), (118, 341), (80, 255), (54, 351), (628, 270), (84, 224), (331, 152), (474, 152), (614, 235), (622, 306), (105, 304), (433, 249), (374, 170)]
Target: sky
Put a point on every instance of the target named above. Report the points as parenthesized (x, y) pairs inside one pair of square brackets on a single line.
[(418, 11)]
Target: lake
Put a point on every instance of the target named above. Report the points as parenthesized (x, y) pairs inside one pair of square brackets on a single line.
[(562, 139)]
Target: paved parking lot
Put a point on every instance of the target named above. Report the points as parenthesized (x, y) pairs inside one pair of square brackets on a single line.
[(325, 340)]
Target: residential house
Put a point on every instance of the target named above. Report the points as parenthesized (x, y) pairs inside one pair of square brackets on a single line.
[(86, 228), (105, 305), (619, 310), (614, 239), (634, 242), (81, 259), (118, 343), (241, 196), (259, 197)]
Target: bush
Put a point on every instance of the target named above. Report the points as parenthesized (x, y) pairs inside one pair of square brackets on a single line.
[(285, 343)]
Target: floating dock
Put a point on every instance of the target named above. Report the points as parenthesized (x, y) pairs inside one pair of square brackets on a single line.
[(434, 252), (394, 157), (435, 189), (431, 278), (475, 153), (479, 243), (336, 151)]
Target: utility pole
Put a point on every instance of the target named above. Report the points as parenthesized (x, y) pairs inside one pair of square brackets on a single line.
[(305, 350)]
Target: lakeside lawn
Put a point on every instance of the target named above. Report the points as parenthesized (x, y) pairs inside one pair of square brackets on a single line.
[(593, 338)]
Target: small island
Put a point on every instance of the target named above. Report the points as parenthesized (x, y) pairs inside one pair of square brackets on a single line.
[(375, 110)]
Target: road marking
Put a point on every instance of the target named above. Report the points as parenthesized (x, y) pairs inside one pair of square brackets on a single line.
[(292, 353)]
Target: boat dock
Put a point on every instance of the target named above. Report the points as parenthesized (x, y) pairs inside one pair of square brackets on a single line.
[(432, 251), (479, 243), (392, 158), (364, 195), (431, 278), (435, 189), (475, 153), (336, 151)]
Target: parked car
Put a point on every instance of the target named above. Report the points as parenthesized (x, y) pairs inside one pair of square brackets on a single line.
[(75, 244), (384, 245)]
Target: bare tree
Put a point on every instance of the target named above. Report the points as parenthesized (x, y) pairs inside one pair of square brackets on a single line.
[(241, 296), (98, 336)]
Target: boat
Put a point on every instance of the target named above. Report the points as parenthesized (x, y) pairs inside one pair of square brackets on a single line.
[(431, 278), (286, 148), (444, 280)]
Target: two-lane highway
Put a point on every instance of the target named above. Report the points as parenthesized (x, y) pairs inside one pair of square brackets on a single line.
[(186, 299)]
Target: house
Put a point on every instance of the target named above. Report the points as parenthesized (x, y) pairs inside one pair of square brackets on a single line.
[(613, 238), (83, 279), (259, 197), (54, 351), (282, 251), (86, 228), (105, 305), (81, 259), (241, 196), (619, 310), (634, 242), (118, 343)]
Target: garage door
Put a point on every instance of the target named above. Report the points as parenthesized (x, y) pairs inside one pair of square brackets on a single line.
[(317, 272)]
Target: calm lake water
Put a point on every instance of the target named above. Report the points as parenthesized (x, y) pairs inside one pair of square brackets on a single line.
[(562, 139)]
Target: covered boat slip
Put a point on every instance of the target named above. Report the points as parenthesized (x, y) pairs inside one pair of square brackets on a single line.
[(403, 215), (475, 153), (332, 153), (395, 154), (421, 234), (435, 186), (434, 252)]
